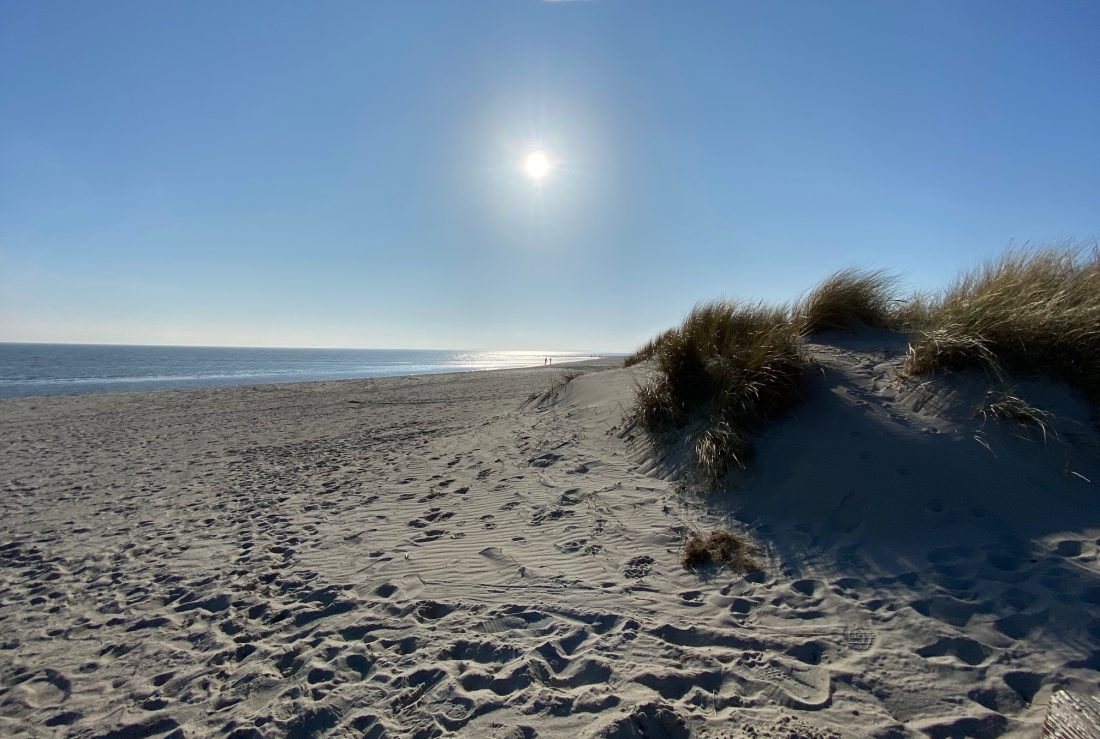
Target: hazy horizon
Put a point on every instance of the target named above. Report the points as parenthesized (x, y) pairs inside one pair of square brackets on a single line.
[(502, 175), (525, 351)]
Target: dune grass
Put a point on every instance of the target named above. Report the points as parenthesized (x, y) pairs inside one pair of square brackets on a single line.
[(1030, 312), (727, 369), (1004, 405), (647, 350), (846, 299), (732, 367), (720, 547), (914, 313)]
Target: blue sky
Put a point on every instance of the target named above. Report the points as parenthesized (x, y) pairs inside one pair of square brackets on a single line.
[(350, 173)]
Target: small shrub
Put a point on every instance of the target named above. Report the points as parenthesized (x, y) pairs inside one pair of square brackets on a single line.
[(846, 299), (722, 548)]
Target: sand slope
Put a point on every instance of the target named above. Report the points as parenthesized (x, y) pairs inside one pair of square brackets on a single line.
[(438, 555)]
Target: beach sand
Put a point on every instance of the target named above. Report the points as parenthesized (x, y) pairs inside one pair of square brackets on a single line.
[(437, 555)]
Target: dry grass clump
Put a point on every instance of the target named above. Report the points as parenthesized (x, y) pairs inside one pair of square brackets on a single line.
[(722, 548), (846, 299), (1005, 406), (1028, 312), (730, 367)]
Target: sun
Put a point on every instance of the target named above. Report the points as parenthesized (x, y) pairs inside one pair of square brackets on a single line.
[(537, 165)]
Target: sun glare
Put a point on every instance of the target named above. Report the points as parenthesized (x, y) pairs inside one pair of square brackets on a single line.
[(537, 165)]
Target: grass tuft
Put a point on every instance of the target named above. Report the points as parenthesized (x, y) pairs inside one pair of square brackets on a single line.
[(1029, 312), (1005, 406), (731, 366), (846, 299), (719, 447), (722, 548)]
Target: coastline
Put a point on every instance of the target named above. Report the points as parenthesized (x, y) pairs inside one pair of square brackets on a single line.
[(233, 381)]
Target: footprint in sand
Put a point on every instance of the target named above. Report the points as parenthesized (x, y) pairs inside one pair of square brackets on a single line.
[(692, 598), (859, 639), (962, 648), (638, 567), (807, 588), (48, 690), (1070, 548), (572, 546), (544, 460), (742, 606), (553, 515)]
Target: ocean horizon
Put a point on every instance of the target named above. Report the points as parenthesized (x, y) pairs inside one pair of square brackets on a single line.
[(32, 370)]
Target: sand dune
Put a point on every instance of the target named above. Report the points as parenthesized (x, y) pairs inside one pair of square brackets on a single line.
[(432, 556)]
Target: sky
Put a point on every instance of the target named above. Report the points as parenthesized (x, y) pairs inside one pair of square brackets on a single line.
[(351, 173)]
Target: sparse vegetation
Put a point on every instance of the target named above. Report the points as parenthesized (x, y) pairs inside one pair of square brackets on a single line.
[(1004, 405), (847, 299), (1029, 312), (555, 385), (728, 369), (720, 547)]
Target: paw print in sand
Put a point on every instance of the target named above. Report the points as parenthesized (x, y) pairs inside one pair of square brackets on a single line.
[(638, 567)]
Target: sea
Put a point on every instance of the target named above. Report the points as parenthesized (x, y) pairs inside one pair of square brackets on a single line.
[(77, 369)]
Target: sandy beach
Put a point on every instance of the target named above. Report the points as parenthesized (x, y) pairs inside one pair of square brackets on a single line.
[(444, 555)]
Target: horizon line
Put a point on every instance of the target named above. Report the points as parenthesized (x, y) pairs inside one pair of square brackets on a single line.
[(335, 348)]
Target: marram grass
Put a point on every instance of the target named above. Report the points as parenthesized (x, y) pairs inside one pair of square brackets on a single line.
[(732, 367), (847, 299), (1029, 312)]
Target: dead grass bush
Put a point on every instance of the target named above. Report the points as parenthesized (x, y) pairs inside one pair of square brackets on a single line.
[(720, 547)]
